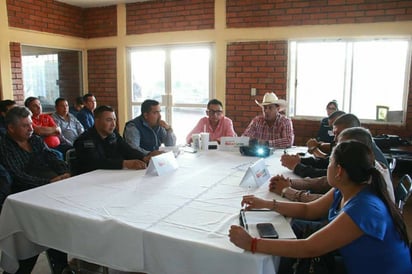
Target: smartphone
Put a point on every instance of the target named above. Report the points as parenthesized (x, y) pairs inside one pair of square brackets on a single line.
[(267, 230)]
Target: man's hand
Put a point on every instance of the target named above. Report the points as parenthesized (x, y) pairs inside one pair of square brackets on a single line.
[(58, 131), (290, 161), (134, 164), (60, 177), (149, 156), (155, 153), (312, 143), (165, 125), (278, 183)]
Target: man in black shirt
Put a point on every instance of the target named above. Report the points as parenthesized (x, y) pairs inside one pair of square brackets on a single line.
[(30, 164), (101, 147)]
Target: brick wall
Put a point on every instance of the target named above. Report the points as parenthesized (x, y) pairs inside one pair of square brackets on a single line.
[(69, 75), (100, 22), (16, 73), (169, 15), (269, 13), (102, 74), (261, 65), (46, 16)]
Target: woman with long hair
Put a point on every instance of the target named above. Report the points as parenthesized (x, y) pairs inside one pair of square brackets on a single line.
[(364, 224)]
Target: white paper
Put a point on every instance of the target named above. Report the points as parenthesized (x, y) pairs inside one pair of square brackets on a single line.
[(233, 143), (281, 225), (162, 164), (256, 175)]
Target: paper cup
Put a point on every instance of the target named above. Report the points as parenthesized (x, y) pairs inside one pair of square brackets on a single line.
[(204, 137), (196, 142)]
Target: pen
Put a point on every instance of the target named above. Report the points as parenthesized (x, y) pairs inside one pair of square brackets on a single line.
[(243, 219)]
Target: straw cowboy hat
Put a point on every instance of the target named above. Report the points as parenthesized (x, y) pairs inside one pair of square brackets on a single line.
[(270, 99)]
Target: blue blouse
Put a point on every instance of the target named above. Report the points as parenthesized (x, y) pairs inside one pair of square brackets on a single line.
[(380, 249)]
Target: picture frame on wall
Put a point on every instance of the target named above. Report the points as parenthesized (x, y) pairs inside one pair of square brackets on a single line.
[(382, 113)]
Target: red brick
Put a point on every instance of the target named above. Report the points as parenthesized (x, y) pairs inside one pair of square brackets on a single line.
[(35, 15)]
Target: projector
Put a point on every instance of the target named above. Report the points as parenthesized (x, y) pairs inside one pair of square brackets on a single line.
[(257, 151)]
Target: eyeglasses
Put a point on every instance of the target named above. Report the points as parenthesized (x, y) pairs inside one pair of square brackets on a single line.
[(213, 112), (331, 108)]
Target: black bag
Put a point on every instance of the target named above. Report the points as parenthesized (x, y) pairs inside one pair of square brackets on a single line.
[(324, 264), (385, 141)]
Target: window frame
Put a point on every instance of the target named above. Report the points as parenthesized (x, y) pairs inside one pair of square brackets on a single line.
[(347, 88), (167, 104)]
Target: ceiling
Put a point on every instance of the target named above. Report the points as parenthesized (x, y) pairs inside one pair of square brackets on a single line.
[(97, 3)]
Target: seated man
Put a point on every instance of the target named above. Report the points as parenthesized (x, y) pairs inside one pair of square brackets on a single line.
[(216, 123), (316, 167), (30, 164), (323, 149), (309, 189), (5, 105), (101, 147), (272, 128), (71, 128), (77, 106), (148, 131), (43, 124), (85, 115)]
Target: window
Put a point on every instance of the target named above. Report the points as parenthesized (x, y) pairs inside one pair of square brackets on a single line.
[(49, 73), (40, 77), (179, 77), (359, 74)]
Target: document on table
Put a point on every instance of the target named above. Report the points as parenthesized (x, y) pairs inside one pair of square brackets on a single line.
[(280, 223)]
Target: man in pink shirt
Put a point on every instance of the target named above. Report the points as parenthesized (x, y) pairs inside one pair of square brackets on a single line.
[(215, 123)]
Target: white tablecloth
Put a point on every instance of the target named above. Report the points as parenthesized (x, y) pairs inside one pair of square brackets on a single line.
[(126, 220)]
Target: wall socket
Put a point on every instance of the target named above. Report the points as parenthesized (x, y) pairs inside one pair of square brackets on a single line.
[(253, 91)]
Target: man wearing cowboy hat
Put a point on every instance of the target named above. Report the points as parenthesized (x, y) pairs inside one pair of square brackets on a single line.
[(272, 127)]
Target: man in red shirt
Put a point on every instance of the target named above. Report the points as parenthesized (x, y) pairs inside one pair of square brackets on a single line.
[(44, 125)]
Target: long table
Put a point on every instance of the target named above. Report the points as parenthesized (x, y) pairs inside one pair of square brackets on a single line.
[(129, 221)]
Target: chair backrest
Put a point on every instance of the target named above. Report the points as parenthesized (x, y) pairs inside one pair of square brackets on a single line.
[(71, 160), (403, 191), (392, 164)]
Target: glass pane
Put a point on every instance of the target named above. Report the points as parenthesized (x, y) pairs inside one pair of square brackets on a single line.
[(320, 76), (378, 76), (190, 75), (148, 75), (40, 78), (136, 111), (184, 120)]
